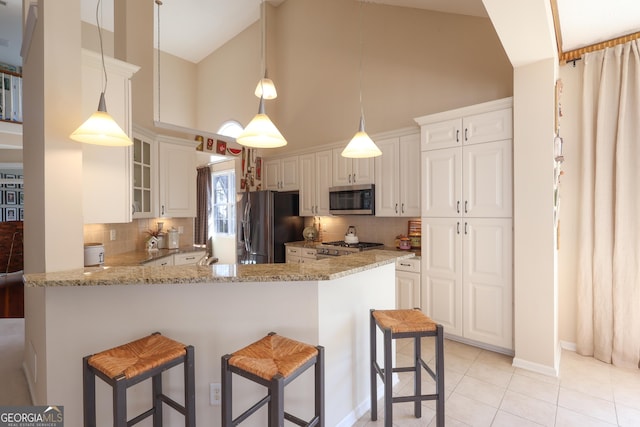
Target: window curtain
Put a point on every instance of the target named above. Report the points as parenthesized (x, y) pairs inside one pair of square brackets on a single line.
[(203, 206), (609, 258)]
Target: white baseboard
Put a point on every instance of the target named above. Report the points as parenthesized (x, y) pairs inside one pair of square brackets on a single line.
[(571, 346), (29, 382), (364, 406), (536, 367)]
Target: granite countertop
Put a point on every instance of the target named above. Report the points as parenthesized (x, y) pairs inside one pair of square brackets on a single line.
[(325, 269), (304, 244), (135, 258)]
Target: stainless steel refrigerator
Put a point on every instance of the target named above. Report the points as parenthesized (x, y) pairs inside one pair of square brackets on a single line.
[(266, 221)]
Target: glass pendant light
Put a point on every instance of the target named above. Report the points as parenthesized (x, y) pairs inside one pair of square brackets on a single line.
[(361, 145), (100, 128), (261, 132), (265, 87)]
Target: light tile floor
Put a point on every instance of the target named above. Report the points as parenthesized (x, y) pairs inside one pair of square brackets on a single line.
[(482, 388)]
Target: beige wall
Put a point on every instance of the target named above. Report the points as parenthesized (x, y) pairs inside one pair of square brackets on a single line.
[(415, 62), (569, 210)]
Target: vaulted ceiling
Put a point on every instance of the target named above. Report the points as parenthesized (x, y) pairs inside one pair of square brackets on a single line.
[(191, 29)]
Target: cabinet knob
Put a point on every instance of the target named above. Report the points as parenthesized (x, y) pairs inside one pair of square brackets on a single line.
[(465, 134), (458, 227), (396, 208), (466, 205), (457, 135), (466, 228), (402, 210), (458, 206)]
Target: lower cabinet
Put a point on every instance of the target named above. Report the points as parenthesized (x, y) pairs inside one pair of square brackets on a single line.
[(297, 255), (187, 258), (467, 277), (408, 283)]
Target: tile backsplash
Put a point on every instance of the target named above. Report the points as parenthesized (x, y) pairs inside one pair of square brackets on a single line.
[(133, 236)]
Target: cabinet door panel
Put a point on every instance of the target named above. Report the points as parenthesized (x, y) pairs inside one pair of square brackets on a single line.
[(290, 174), (488, 284), (443, 134), (272, 175), (387, 183), (177, 180), (442, 272), (407, 290), (308, 184), (486, 127), (341, 170), (409, 174), (363, 171), (488, 180), (441, 182), (323, 181)]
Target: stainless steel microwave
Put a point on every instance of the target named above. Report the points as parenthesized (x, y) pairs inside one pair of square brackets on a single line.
[(352, 200)]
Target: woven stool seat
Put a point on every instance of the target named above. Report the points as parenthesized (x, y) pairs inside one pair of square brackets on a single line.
[(273, 362), (403, 321), (137, 357), (129, 364), (272, 355)]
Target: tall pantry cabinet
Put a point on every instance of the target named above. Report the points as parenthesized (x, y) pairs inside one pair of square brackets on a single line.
[(467, 221)]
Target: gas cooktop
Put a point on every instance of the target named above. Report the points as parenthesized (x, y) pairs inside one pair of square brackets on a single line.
[(360, 245)]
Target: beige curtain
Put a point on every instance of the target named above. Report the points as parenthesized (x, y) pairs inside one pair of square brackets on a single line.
[(609, 271), (203, 206)]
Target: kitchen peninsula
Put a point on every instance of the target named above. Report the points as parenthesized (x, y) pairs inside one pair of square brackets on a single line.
[(218, 309)]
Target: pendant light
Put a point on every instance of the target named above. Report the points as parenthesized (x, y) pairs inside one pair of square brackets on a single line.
[(261, 132), (100, 128), (361, 146), (265, 88)]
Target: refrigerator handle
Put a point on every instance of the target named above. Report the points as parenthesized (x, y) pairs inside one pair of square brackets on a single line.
[(246, 226)]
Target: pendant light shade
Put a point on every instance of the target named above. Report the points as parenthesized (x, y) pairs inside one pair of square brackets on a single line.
[(266, 89), (101, 129), (361, 146), (261, 132)]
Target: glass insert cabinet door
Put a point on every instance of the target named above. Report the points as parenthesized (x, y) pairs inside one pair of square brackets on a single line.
[(142, 177)]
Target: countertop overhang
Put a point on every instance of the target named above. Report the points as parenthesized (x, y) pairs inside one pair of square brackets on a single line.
[(325, 269)]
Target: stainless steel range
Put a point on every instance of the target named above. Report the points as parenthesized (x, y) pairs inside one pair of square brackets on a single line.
[(337, 248)]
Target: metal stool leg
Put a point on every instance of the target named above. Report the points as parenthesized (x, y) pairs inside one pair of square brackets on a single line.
[(156, 387), (120, 403), (319, 385), (388, 379), (440, 376), (417, 378), (373, 374), (227, 416), (89, 393), (190, 388), (276, 405)]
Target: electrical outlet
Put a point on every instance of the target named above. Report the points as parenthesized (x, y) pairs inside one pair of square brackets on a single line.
[(180, 229), (215, 394), (112, 234)]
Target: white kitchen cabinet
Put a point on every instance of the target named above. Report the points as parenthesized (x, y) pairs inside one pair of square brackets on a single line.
[(408, 289), (467, 226), (188, 258), (106, 171), (177, 177), (300, 255), (315, 180), (281, 174), (475, 180), (397, 176), (348, 171), (161, 262), (467, 277), (145, 182), (491, 121)]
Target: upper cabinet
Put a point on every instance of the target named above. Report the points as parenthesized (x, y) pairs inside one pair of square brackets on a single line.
[(474, 177), (315, 180), (438, 132), (281, 174), (177, 177), (106, 171), (348, 171), (397, 176), (145, 182)]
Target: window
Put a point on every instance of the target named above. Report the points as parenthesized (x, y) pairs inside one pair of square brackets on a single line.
[(224, 202), (231, 128)]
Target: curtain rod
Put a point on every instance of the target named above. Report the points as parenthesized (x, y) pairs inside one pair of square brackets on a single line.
[(576, 54)]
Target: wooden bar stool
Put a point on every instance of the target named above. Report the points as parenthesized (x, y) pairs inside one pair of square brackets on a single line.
[(273, 361), (406, 324), (124, 366)]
